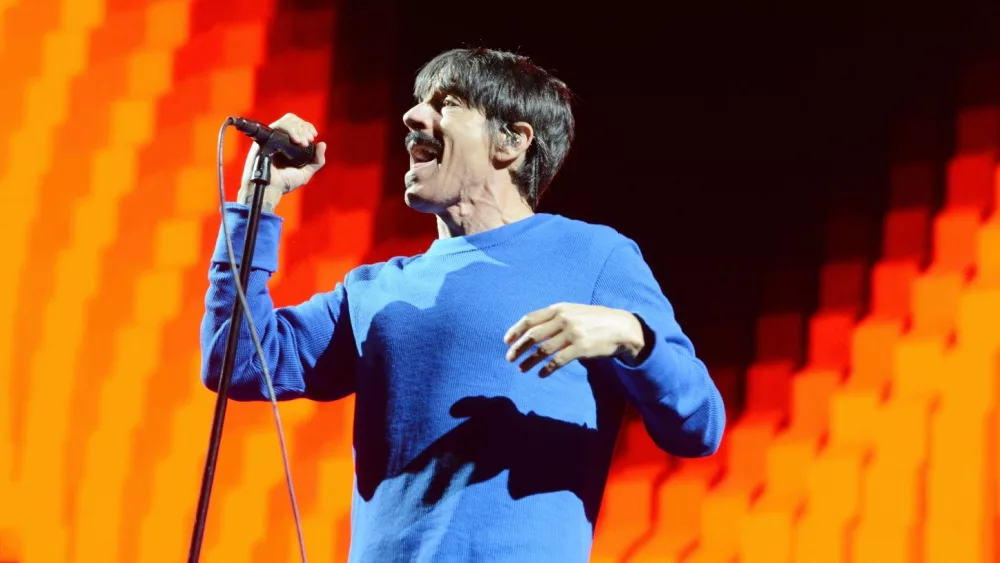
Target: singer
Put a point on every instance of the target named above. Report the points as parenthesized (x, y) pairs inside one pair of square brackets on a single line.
[(491, 372)]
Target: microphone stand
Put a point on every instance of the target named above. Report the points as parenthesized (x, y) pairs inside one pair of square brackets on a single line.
[(261, 178)]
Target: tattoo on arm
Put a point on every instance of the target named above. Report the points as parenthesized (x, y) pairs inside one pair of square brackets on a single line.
[(271, 199)]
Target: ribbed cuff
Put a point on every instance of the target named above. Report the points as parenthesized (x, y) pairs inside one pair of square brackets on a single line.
[(650, 380), (265, 256)]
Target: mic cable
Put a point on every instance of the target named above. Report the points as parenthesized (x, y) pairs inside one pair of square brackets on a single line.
[(292, 158)]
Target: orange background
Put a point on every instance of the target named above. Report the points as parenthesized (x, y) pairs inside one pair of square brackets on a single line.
[(881, 449)]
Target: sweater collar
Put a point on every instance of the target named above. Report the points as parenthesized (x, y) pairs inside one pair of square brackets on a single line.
[(488, 238)]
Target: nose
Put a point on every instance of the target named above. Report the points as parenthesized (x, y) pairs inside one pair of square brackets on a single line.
[(420, 118)]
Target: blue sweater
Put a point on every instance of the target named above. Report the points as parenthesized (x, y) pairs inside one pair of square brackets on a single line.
[(458, 455)]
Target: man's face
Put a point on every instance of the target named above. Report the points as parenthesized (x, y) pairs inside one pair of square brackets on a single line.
[(450, 151)]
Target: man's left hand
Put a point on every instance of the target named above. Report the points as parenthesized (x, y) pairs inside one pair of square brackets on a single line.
[(572, 332)]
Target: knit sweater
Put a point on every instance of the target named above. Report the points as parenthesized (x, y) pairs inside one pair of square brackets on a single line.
[(459, 456)]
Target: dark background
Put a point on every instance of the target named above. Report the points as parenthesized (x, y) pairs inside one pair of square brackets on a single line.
[(722, 139)]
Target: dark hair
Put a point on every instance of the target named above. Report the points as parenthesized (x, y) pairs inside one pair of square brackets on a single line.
[(509, 88)]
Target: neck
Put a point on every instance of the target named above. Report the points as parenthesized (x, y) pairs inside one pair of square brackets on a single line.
[(482, 209)]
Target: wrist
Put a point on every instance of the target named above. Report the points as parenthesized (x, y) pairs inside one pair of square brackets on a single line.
[(272, 195), (635, 346)]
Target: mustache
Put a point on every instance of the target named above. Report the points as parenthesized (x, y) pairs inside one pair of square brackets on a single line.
[(423, 138)]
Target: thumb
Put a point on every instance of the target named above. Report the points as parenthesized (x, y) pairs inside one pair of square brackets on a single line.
[(319, 159)]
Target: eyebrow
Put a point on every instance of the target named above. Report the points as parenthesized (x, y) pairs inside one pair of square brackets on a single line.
[(428, 96), (438, 94)]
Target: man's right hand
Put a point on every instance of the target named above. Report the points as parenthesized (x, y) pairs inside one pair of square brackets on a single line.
[(283, 180)]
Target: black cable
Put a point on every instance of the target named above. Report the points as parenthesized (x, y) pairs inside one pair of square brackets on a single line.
[(256, 341)]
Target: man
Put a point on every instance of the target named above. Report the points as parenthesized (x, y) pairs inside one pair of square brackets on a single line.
[(491, 372)]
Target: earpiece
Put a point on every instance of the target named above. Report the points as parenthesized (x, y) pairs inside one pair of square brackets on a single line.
[(512, 138)]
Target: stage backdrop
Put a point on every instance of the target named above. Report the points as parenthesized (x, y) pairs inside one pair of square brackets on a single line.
[(864, 421)]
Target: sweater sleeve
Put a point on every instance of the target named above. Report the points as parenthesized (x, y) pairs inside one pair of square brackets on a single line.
[(309, 348), (670, 387)]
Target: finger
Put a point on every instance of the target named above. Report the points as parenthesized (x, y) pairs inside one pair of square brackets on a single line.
[(565, 356), (528, 321), (305, 135), (532, 337), (284, 121), (308, 131), (320, 159), (546, 349), (299, 131)]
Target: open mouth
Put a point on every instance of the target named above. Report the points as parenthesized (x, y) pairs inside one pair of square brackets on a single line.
[(423, 148), (423, 153)]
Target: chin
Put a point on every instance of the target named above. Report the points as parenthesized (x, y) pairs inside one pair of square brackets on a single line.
[(416, 199)]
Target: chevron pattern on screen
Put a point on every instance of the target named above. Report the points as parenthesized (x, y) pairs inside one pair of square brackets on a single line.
[(872, 439)]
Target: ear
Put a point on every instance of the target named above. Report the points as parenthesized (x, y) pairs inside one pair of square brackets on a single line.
[(513, 142)]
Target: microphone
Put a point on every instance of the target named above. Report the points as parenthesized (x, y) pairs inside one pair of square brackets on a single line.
[(286, 153)]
